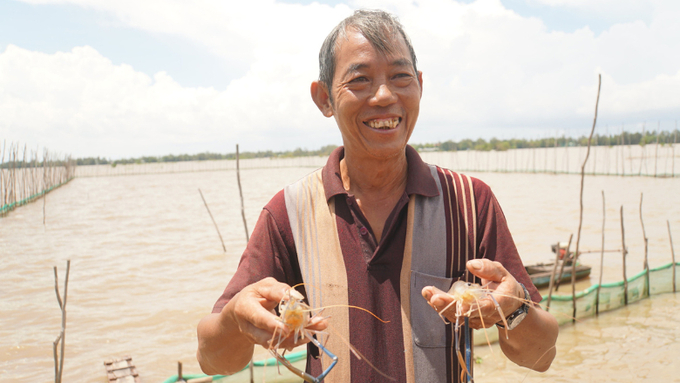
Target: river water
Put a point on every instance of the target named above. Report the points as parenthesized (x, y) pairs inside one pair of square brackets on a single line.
[(147, 265)]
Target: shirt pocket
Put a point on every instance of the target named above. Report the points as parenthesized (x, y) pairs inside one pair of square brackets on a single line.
[(428, 328)]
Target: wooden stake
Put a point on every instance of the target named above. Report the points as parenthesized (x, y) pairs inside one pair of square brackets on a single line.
[(245, 226), (644, 236), (240, 192), (180, 378), (670, 238), (599, 285), (656, 150), (580, 222), (61, 338), (552, 276), (213, 220), (564, 262), (623, 253)]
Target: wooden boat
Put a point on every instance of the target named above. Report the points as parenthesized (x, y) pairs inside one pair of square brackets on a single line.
[(540, 273)]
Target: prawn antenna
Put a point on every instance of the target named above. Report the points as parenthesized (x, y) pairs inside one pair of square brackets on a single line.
[(358, 308), (481, 317), (360, 356), (500, 311)]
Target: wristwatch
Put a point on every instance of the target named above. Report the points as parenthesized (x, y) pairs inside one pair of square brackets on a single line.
[(518, 315)]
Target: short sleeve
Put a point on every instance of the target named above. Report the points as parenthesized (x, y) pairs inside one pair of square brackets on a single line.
[(269, 253)]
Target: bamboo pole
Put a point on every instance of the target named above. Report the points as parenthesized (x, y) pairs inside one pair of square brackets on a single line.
[(251, 367), (670, 238), (643, 145), (61, 338), (555, 169), (623, 253), (564, 262), (240, 192), (213, 220), (656, 150), (599, 284), (580, 223), (552, 276), (623, 152), (644, 236), (44, 186)]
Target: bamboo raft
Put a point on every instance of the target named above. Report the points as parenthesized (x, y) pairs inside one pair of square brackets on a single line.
[(121, 371)]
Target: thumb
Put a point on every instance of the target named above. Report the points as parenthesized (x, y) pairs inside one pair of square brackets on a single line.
[(487, 270)]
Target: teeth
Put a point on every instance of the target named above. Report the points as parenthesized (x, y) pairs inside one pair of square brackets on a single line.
[(384, 124)]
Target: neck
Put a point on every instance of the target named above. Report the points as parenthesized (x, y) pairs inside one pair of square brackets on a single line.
[(379, 176)]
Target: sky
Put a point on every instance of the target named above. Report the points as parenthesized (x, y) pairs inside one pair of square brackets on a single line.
[(120, 79)]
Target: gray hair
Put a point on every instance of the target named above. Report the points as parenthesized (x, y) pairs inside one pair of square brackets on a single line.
[(380, 28)]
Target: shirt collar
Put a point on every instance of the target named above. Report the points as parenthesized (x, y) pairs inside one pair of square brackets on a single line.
[(419, 179)]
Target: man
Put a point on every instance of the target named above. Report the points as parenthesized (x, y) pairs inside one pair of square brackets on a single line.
[(378, 229)]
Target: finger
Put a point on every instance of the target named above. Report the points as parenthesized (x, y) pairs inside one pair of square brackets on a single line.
[(253, 310), (271, 292), (436, 298), (255, 321), (317, 323)]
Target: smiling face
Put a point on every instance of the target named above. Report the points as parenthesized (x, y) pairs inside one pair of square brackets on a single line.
[(375, 97)]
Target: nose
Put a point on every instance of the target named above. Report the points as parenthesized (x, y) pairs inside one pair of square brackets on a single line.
[(383, 96)]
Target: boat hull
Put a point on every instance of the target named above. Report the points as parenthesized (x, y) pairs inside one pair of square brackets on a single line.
[(540, 273)]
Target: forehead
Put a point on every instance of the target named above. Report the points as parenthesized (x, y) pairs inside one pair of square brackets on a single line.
[(354, 48)]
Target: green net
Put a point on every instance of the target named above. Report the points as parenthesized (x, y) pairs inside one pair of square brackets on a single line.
[(611, 297)]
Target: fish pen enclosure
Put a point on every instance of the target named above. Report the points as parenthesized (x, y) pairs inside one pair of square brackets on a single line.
[(611, 296), (26, 176), (651, 160), (198, 166)]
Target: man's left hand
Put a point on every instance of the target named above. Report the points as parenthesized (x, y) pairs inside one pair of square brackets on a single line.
[(496, 280)]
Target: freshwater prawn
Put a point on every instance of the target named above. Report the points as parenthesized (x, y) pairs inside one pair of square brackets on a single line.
[(297, 316), (466, 297)]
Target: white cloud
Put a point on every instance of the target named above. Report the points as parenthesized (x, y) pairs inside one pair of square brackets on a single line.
[(80, 103), (487, 70)]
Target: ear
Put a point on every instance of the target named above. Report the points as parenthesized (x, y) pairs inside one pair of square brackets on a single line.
[(420, 81), (322, 98)]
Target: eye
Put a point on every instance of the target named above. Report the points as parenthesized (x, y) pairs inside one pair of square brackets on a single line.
[(402, 79), (358, 79)]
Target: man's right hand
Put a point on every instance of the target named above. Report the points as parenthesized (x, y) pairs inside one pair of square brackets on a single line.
[(226, 340)]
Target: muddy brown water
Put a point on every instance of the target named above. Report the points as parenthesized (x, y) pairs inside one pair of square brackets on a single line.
[(146, 265)]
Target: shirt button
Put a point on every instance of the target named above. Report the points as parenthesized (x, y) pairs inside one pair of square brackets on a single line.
[(363, 230)]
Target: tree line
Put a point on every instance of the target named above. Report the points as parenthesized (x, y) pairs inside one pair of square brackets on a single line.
[(625, 138), (299, 152)]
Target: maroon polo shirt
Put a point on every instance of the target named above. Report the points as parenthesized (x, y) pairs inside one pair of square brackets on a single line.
[(373, 268)]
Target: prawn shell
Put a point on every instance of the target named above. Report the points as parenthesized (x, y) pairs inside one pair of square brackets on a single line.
[(466, 292)]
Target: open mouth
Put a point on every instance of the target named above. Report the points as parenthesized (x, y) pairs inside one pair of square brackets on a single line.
[(384, 123)]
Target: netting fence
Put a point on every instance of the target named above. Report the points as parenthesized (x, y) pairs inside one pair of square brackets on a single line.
[(26, 175)]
